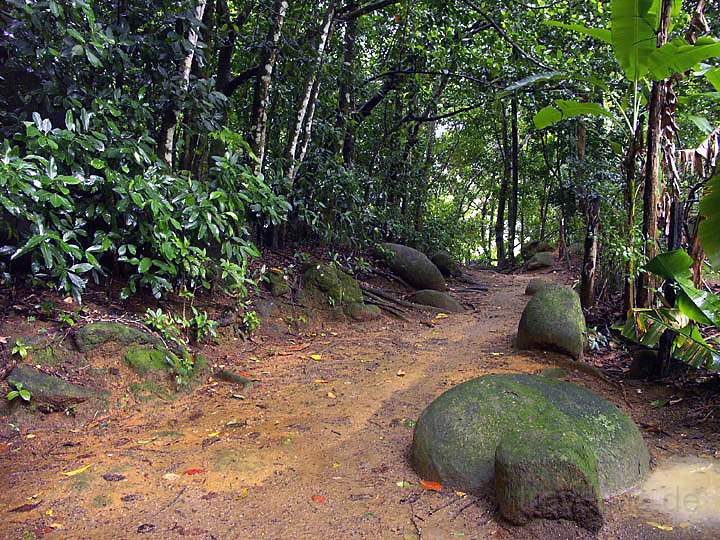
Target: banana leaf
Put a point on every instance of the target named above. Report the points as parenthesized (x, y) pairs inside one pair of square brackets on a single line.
[(710, 225)]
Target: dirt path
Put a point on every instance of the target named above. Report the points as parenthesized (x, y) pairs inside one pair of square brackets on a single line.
[(316, 450)]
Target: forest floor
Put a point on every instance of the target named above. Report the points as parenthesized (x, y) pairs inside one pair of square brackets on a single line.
[(316, 449)]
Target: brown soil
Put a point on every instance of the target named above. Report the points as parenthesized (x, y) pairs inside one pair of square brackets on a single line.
[(317, 449)]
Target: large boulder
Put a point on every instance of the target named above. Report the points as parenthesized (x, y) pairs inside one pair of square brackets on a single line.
[(326, 286), (48, 392), (553, 320), (548, 474), (543, 259), (93, 335), (446, 264), (456, 437), (414, 267), (440, 300), (278, 283), (535, 284), (528, 250)]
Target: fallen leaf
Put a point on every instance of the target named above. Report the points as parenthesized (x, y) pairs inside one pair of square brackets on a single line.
[(30, 436), (146, 528), (148, 441), (3, 340), (50, 512), (56, 526), (401, 373), (244, 492), (113, 477), (430, 485), (191, 472), (441, 316), (316, 357), (403, 484), (660, 526), (331, 395), (319, 499), (171, 477), (320, 381), (214, 434), (26, 507), (77, 471), (461, 494)]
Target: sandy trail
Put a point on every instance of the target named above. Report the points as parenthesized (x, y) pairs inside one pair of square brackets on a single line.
[(317, 450)]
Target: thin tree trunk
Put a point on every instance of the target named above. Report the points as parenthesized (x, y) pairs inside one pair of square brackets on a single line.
[(513, 204), (347, 89), (652, 168), (592, 216), (263, 83), (630, 172), (311, 92), (502, 196), (169, 124)]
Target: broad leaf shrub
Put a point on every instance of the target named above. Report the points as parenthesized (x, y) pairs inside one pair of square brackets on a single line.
[(88, 200)]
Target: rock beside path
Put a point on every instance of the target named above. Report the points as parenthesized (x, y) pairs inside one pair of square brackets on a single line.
[(440, 300), (543, 259), (446, 264), (327, 287), (93, 335), (48, 392), (548, 474), (414, 267), (456, 437), (528, 250), (535, 284), (553, 320)]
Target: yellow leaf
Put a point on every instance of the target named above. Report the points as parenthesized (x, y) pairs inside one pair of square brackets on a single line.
[(50, 512), (320, 381), (77, 471), (659, 526), (442, 316), (461, 494), (316, 357), (244, 492), (401, 373), (30, 436), (148, 441), (214, 434), (331, 395), (336, 465)]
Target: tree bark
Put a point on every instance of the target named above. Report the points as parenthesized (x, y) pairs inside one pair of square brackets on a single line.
[(346, 101), (513, 203), (311, 92), (587, 283), (630, 171), (502, 196), (166, 147), (263, 83), (652, 167)]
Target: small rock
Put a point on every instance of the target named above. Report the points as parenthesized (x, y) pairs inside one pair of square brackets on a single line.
[(543, 259), (535, 284), (437, 299)]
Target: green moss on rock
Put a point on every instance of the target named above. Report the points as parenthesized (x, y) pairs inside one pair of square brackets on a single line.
[(414, 267), (528, 250), (535, 284), (278, 283), (48, 392), (326, 286), (457, 435), (548, 474), (553, 320), (440, 300), (94, 335), (145, 360), (543, 259), (447, 265)]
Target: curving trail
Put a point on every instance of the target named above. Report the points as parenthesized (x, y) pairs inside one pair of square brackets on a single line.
[(317, 450)]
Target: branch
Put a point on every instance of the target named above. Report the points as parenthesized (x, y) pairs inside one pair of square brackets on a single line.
[(505, 35), (345, 15), (240, 79), (424, 72)]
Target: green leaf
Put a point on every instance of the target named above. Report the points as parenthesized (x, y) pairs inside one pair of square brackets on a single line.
[(25, 395), (672, 265), (678, 56), (634, 25), (710, 224), (568, 109), (598, 33), (713, 75), (145, 265)]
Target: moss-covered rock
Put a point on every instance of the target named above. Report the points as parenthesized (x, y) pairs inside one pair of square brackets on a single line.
[(48, 392), (158, 370), (553, 320), (51, 355), (457, 435), (437, 299), (535, 284), (326, 286), (414, 267), (278, 283), (94, 335), (548, 474), (543, 259), (147, 360), (446, 264), (528, 250)]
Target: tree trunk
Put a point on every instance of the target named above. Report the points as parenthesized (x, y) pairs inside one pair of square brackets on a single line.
[(311, 92), (166, 147), (263, 82), (630, 170), (513, 204), (502, 196), (346, 102), (652, 168), (587, 283)]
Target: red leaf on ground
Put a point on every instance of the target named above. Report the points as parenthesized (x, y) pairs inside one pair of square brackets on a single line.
[(191, 472), (430, 485), (319, 499)]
